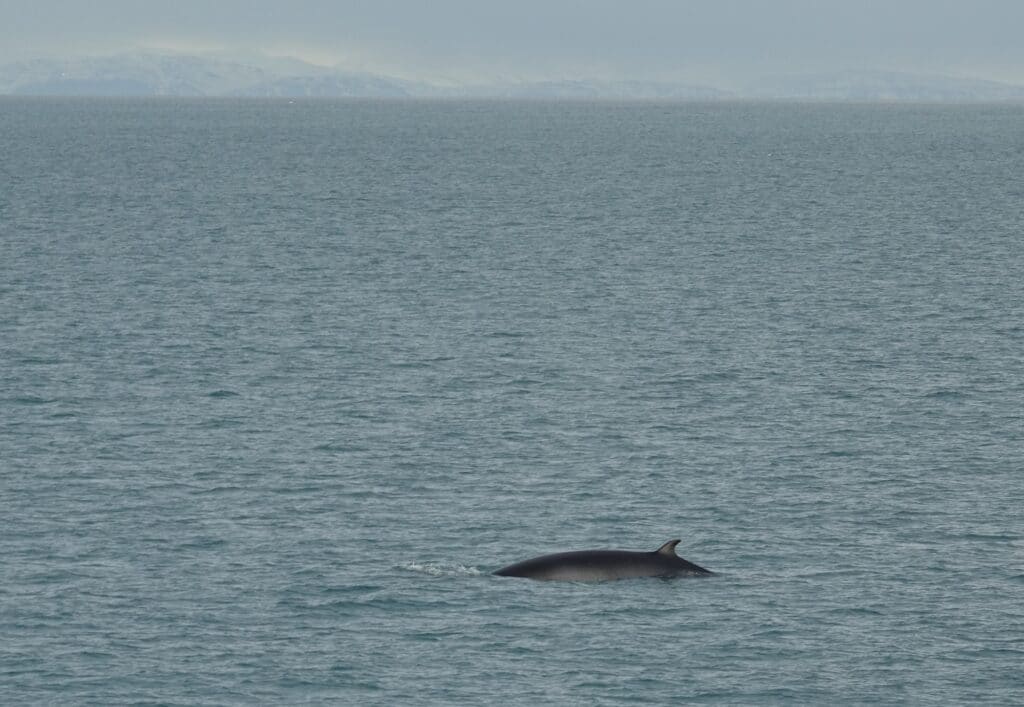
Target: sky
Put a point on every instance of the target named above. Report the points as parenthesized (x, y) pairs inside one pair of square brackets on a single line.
[(719, 42)]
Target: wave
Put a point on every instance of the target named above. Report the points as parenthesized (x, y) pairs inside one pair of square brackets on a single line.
[(442, 569)]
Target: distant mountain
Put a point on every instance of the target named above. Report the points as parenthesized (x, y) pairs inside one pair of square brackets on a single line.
[(883, 86), (155, 74), (163, 74), (332, 85), (140, 74), (594, 89)]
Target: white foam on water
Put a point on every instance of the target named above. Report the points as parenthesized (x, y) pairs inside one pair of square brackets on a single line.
[(442, 569)]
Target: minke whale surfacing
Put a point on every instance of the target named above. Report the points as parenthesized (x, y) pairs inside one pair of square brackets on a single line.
[(598, 565)]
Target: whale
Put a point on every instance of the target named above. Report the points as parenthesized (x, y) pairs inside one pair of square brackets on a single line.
[(602, 565)]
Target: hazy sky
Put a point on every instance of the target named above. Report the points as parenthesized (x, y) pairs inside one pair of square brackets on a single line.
[(713, 40)]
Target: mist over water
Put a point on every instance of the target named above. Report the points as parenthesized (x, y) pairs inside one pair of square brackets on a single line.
[(284, 382)]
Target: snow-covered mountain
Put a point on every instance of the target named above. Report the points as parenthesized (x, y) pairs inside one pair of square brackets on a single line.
[(595, 89), (136, 74), (332, 85), (163, 74), (153, 74), (882, 86)]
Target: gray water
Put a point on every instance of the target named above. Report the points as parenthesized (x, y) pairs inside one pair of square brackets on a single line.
[(281, 384)]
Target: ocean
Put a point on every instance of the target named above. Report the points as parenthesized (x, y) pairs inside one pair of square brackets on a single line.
[(282, 383)]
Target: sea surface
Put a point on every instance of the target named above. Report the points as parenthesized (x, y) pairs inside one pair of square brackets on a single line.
[(281, 384)]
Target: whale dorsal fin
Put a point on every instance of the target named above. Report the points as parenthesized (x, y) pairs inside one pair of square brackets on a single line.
[(668, 549)]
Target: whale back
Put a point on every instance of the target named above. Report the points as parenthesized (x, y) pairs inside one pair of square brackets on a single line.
[(598, 565)]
